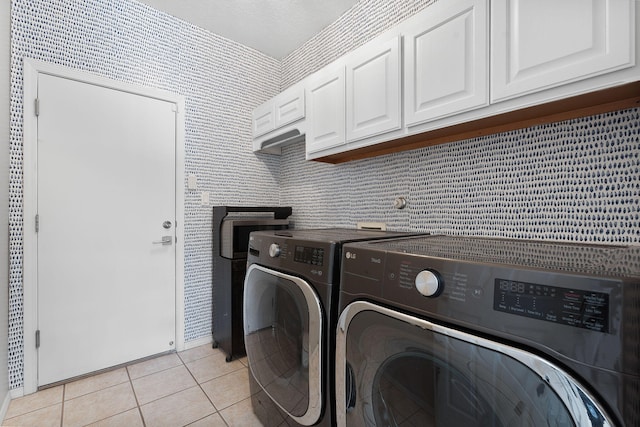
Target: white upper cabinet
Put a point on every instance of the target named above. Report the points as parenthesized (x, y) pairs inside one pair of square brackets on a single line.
[(280, 121), (460, 68), (284, 108), (446, 60), (540, 44), (373, 93), (325, 107)]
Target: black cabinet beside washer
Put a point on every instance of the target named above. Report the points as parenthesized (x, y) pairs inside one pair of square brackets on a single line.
[(231, 228)]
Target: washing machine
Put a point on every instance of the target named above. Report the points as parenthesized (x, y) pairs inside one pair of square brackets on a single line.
[(469, 331), (290, 312)]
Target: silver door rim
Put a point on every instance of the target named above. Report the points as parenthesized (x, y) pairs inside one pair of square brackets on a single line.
[(312, 415), (564, 385)]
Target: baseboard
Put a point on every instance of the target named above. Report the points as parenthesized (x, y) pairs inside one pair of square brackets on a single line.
[(17, 392), (198, 342), (11, 394)]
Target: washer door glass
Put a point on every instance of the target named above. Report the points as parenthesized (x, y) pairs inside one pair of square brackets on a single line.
[(398, 374), (283, 330)]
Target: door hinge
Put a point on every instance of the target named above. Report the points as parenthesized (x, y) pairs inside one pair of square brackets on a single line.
[(37, 107), (38, 338), (37, 223)]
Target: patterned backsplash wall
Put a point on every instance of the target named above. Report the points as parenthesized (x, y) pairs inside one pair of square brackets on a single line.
[(574, 181)]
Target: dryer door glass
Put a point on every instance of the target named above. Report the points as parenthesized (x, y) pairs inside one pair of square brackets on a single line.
[(401, 374), (283, 330)]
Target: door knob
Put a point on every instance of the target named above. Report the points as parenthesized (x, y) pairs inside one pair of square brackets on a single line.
[(166, 240)]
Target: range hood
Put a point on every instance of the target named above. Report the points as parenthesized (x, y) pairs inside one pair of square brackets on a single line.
[(273, 141)]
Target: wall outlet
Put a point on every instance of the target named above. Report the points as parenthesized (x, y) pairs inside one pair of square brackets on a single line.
[(192, 182), (204, 197)]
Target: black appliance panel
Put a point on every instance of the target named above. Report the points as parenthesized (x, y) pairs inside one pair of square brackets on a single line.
[(582, 309)]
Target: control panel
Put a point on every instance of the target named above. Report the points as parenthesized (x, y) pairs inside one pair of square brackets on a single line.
[(309, 255), (311, 260), (579, 308), (469, 292)]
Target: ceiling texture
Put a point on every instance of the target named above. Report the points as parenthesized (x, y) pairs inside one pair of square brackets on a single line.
[(273, 27)]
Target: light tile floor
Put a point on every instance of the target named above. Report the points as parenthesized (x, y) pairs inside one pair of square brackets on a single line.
[(195, 387)]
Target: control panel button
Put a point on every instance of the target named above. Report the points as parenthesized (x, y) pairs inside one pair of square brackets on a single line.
[(428, 283), (274, 250)]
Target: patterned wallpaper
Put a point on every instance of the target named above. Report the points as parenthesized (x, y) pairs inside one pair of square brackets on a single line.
[(576, 181), (222, 82), (5, 72), (365, 20), (572, 181)]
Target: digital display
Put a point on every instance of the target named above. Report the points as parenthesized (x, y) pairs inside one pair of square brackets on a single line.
[(309, 255), (579, 308), (510, 286)]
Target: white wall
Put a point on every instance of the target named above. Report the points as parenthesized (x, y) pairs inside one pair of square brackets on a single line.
[(4, 198)]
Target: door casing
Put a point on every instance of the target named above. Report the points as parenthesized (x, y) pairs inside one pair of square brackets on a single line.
[(32, 68)]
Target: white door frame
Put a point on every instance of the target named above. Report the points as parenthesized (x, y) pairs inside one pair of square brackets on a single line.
[(30, 200)]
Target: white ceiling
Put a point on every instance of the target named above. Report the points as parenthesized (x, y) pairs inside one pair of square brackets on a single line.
[(274, 27)]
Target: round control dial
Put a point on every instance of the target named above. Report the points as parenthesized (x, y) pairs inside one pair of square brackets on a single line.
[(428, 283), (274, 250)]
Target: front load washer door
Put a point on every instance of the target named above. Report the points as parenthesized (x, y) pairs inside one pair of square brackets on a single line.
[(283, 333), (394, 369)]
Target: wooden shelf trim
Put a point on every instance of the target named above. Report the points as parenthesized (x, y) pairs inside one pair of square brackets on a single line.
[(597, 102)]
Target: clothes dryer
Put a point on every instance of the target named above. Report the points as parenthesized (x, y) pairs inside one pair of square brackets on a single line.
[(452, 331)]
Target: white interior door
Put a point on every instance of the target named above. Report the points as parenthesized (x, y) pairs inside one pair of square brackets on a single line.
[(106, 197)]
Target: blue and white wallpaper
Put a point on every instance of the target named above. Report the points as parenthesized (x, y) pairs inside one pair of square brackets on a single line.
[(574, 181)]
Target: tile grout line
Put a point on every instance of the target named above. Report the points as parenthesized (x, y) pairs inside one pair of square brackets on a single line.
[(205, 393), (154, 372), (135, 396), (218, 411), (64, 391), (106, 388), (129, 381), (30, 411), (137, 401)]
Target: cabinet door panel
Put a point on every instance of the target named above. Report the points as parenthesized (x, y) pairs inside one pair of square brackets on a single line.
[(539, 44), (289, 106), (373, 90), (446, 60), (263, 119), (325, 108)]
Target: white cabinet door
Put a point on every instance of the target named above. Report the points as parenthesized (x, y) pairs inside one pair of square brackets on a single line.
[(539, 44), (263, 119), (289, 106), (373, 90), (325, 109), (446, 60)]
